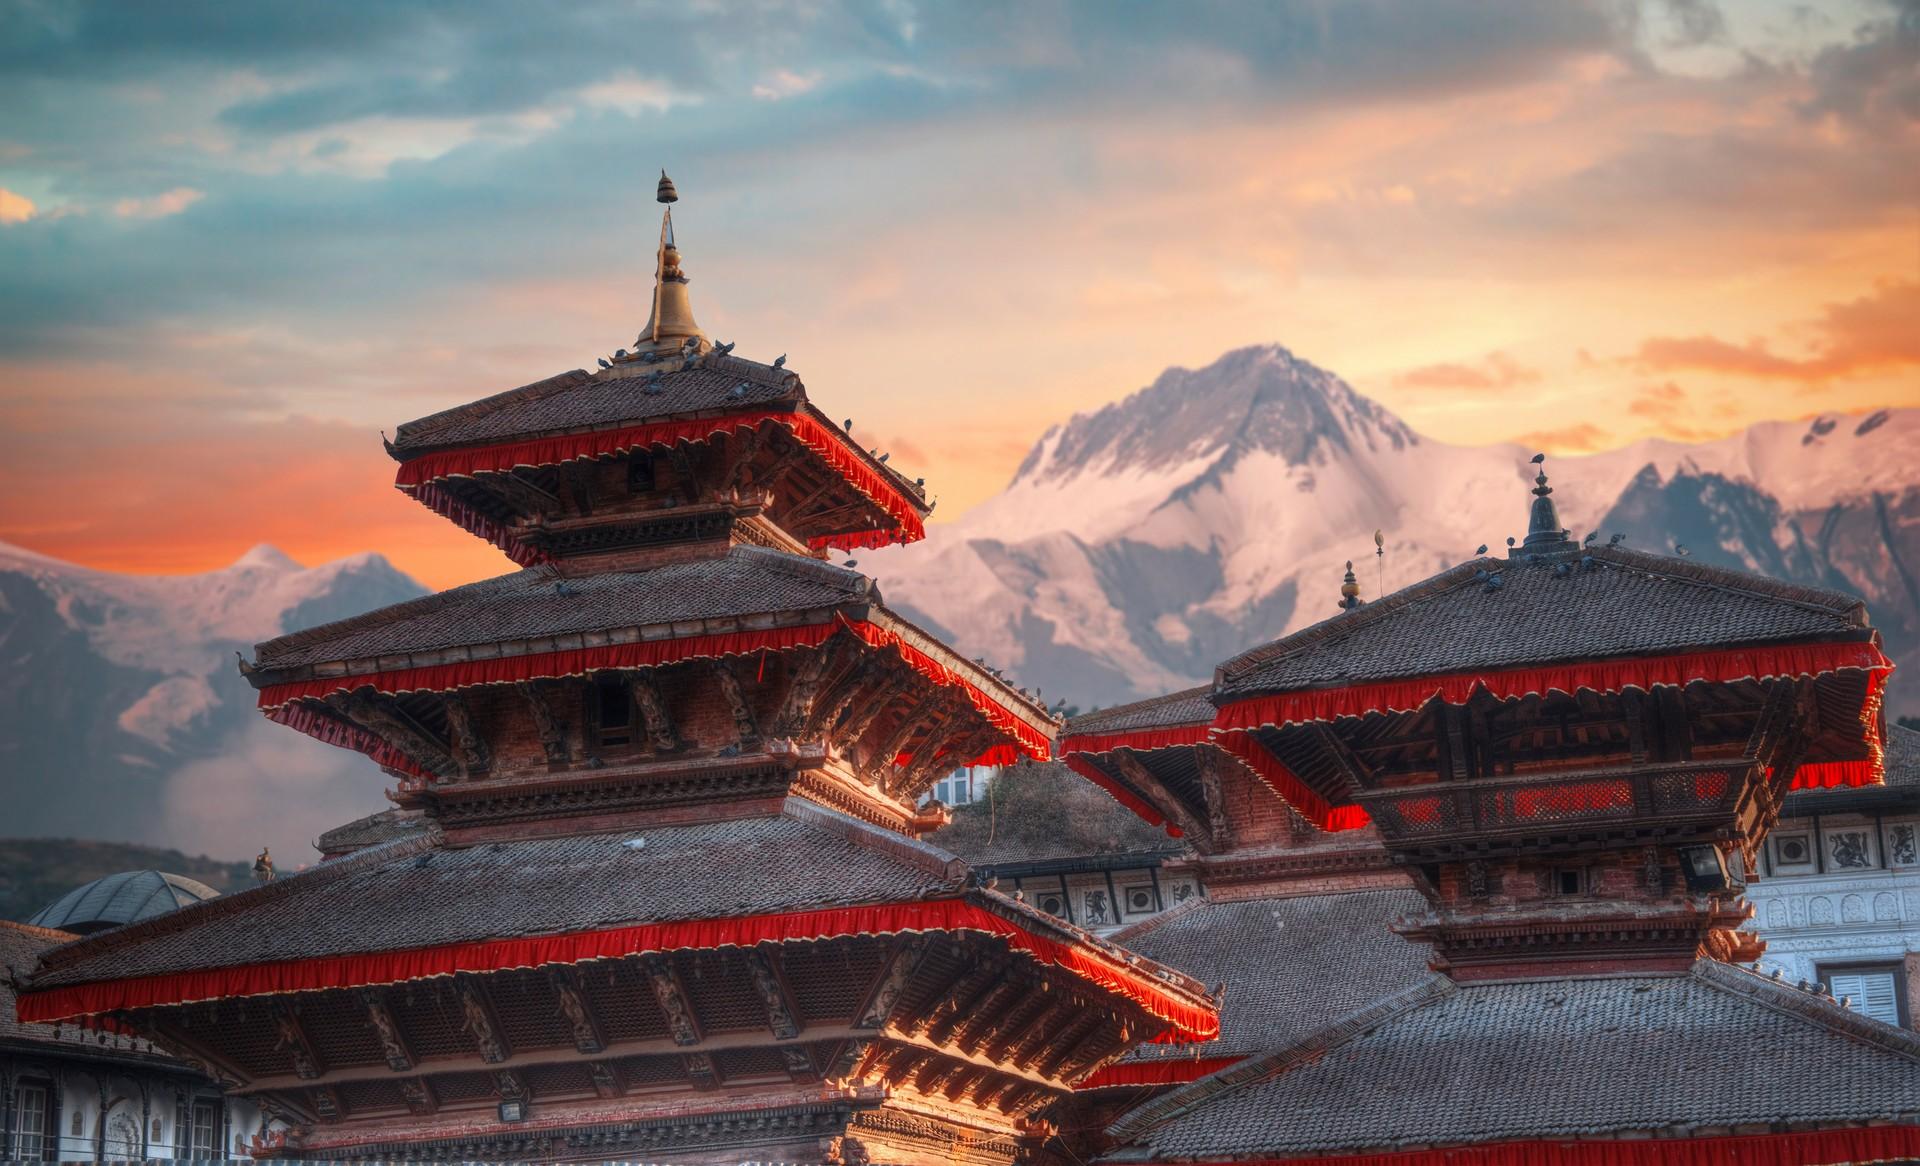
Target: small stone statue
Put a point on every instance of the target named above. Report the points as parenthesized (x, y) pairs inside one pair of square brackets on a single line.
[(263, 867)]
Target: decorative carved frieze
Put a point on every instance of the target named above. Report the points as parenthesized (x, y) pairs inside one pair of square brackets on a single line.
[(581, 1022), (700, 1071), (737, 703), (469, 750), (653, 710), (892, 981), (419, 1095), (293, 1038)]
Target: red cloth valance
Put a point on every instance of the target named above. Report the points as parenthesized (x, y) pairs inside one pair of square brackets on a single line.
[(419, 475), (1143, 740), (1081, 764), (643, 654), (1281, 780), (1188, 1022), (1171, 1071), (1721, 667), (1847, 1147)]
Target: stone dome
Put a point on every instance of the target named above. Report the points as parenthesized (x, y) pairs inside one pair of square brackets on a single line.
[(117, 899)]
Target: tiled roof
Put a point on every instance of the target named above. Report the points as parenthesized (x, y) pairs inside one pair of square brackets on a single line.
[(1190, 707), (1631, 604), (1903, 757), (1446, 1064), (1290, 965), (419, 892), (578, 400), (21, 944), (537, 602), (372, 830)]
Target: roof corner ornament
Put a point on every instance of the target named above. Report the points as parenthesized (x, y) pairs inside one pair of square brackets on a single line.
[(1350, 590)]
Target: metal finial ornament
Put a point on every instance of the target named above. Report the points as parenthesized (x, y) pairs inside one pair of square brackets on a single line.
[(1379, 563), (1350, 590), (666, 192)]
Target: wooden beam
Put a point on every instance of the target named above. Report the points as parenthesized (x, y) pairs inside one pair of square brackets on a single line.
[(520, 494), (769, 982), (551, 729), (673, 999), (582, 1023), (744, 727), (379, 716), (293, 1038), (891, 982), (419, 1095), (386, 1030), (1211, 764), (985, 1017), (741, 450), (1150, 787), (862, 717), (948, 1004), (469, 750), (479, 1022), (803, 687), (606, 1079), (652, 707), (1020, 1025), (969, 1006)]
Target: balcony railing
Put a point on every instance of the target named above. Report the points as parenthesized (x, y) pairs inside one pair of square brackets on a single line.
[(1686, 791)]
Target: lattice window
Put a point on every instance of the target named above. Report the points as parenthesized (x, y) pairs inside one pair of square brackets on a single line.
[(430, 1017), (454, 1088), (361, 1096), (736, 1064), (565, 1080), (829, 981), (643, 1072), (623, 999), (340, 1031), (723, 994), (529, 1011)]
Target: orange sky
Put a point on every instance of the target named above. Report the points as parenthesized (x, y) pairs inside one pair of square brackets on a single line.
[(1614, 232)]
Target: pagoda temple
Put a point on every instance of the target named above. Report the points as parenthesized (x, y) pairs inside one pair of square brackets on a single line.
[(653, 883), (1571, 754)]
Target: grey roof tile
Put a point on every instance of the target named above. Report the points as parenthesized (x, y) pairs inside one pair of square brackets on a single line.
[(579, 400), (1190, 707), (419, 892), (538, 602), (1548, 1059), (1634, 604), (1290, 965)]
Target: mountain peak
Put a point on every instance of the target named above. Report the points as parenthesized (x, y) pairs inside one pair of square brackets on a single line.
[(267, 557)]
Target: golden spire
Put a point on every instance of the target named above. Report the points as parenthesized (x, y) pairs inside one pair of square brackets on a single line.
[(670, 325)]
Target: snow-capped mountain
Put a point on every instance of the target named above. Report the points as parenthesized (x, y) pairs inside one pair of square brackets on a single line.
[(122, 715), (1139, 545)]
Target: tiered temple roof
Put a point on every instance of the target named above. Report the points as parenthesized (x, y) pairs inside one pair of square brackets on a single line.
[(653, 885)]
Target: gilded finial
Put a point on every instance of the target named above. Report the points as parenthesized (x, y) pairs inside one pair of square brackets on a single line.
[(666, 192), (1350, 590)]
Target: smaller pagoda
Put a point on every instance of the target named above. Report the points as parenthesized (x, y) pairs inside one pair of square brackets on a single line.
[(1573, 753)]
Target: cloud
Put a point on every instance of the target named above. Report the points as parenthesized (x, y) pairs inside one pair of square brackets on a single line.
[(1875, 80), (1873, 333), (14, 208), (1494, 371), (159, 206), (1583, 437), (785, 83), (267, 785)]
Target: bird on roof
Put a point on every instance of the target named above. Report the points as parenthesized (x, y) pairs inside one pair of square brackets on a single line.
[(1591, 535), (604, 364), (1481, 549), (1530, 557), (691, 343), (619, 354), (1562, 570), (1616, 539), (1681, 550), (740, 390), (1588, 562), (780, 361), (884, 457), (1538, 458), (691, 360), (1482, 575), (653, 382), (847, 425), (1509, 542), (564, 588), (723, 349), (851, 563), (1495, 583)]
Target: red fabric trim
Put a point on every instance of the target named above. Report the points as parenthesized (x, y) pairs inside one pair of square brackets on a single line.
[(417, 476), (1326, 704), (1828, 774), (1167, 1072), (1846, 1147), (1187, 1021), (643, 654), (441, 501), (347, 736), (1031, 740), (1083, 765), (1140, 740), (550, 665), (1281, 780)]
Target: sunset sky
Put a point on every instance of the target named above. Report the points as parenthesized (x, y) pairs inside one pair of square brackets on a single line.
[(237, 240)]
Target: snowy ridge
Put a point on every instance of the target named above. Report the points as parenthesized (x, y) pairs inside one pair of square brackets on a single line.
[(1139, 544)]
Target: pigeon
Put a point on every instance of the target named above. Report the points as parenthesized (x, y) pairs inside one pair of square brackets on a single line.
[(1481, 549), (1616, 539), (1591, 535), (884, 457), (723, 349), (563, 588), (847, 425), (604, 363), (1588, 562), (1562, 570), (1481, 576), (1681, 550), (1495, 583), (780, 361), (653, 383), (851, 563), (919, 481), (740, 390), (619, 354), (1538, 458), (692, 343), (689, 362)]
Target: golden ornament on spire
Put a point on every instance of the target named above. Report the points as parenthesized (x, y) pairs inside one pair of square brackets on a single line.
[(671, 328)]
